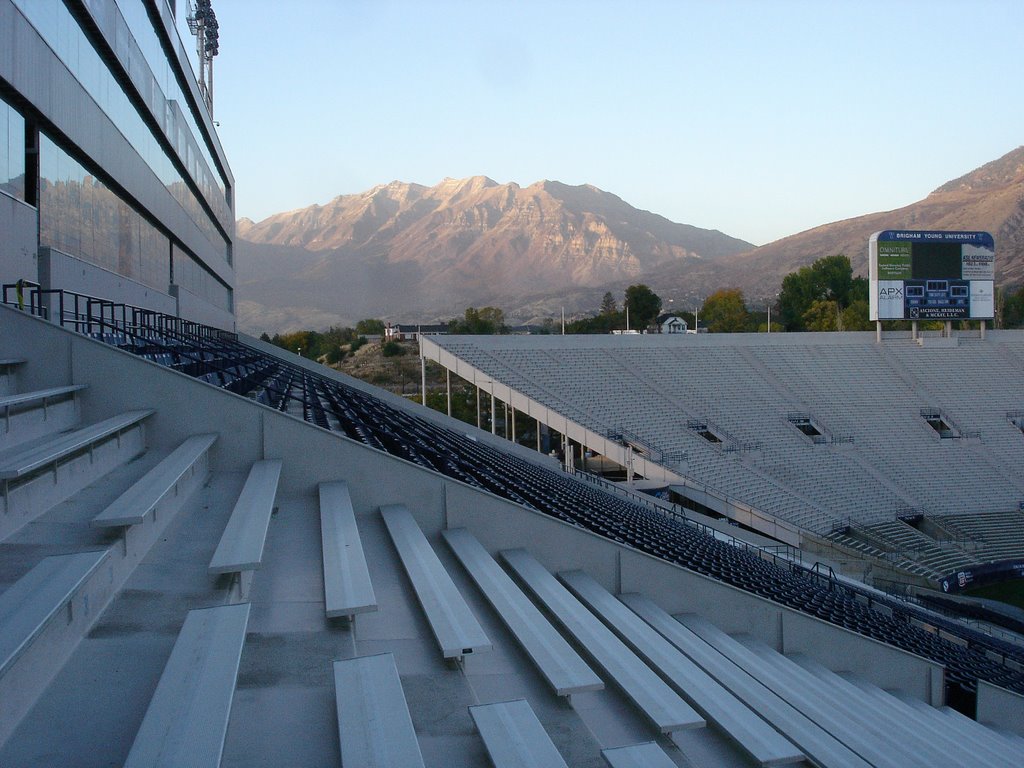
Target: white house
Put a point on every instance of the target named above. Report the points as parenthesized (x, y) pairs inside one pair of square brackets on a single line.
[(669, 323)]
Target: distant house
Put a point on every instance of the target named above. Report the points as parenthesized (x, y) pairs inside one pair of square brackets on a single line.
[(411, 331), (670, 323)]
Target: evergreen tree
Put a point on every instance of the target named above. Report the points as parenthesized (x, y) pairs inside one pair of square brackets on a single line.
[(608, 306), (643, 304)]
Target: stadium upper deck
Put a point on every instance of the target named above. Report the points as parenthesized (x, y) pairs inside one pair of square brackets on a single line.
[(795, 434)]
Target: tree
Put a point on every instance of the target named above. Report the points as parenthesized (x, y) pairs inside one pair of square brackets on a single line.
[(828, 279), (822, 315), (596, 324), (643, 305), (370, 327), (725, 311), (1011, 308), (855, 316), (608, 306), (484, 321)]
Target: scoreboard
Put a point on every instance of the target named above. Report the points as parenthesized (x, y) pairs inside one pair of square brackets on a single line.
[(931, 275)]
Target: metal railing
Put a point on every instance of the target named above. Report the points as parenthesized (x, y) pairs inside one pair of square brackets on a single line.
[(92, 314), (781, 554)]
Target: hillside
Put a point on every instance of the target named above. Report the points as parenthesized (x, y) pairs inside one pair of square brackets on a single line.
[(990, 198), (406, 251)]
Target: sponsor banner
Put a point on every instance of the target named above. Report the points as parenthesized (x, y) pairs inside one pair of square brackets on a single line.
[(894, 261), (890, 300), (990, 573), (983, 303), (977, 263), (983, 239)]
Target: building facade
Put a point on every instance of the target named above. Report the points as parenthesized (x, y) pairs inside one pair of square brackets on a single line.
[(113, 182)]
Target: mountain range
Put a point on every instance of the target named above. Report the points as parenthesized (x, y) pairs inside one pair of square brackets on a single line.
[(407, 252)]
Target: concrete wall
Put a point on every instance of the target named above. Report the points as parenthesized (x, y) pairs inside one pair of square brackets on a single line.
[(191, 307), (1000, 708), (18, 226)]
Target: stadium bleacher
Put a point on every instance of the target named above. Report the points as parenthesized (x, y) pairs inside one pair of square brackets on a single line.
[(163, 567), (362, 417)]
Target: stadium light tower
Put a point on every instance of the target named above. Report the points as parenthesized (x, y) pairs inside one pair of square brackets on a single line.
[(202, 22)]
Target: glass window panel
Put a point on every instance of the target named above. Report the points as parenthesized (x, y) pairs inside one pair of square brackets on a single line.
[(81, 216), (59, 28), (12, 151)]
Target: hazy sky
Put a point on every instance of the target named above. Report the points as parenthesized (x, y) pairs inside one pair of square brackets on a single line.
[(759, 118)]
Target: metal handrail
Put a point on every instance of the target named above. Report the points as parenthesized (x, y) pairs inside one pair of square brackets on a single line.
[(789, 554), (102, 313)]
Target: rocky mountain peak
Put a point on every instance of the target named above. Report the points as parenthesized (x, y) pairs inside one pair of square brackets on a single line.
[(435, 250)]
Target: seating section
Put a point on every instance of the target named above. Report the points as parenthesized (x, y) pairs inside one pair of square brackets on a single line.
[(132, 506), (187, 719), (36, 598), (819, 745), (962, 732), (560, 665), (375, 729), (59, 456), (753, 391), (43, 616), (371, 420), (240, 550), (652, 696), (998, 536), (35, 457), (876, 709), (872, 746), (646, 755), (756, 737), (347, 586), (514, 736), (455, 628), (31, 415)]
